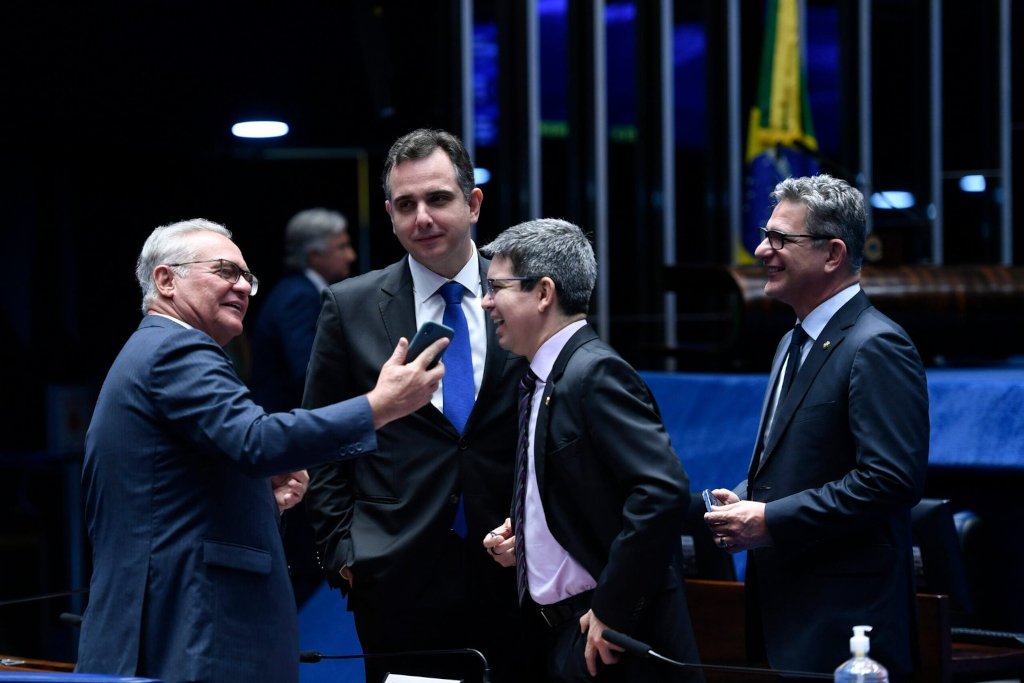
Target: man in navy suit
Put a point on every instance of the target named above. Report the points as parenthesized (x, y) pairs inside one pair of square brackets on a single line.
[(600, 492), (184, 478), (318, 253), (840, 456)]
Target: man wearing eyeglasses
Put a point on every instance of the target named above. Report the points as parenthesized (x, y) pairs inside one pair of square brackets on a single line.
[(184, 477), (599, 492), (840, 455), (399, 533)]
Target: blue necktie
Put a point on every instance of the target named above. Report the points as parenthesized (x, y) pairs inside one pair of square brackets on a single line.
[(457, 387)]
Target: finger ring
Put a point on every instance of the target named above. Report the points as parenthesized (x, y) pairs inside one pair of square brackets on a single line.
[(493, 534), (494, 553)]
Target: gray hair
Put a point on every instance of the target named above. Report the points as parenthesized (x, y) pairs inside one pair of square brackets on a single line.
[(554, 248), (421, 143), (834, 208), (308, 231), (165, 245)]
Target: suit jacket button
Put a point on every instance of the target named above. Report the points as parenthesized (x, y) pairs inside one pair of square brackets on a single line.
[(463, 445), (454, 499)]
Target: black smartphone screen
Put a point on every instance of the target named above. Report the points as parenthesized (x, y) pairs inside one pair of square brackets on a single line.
[(428, 333)]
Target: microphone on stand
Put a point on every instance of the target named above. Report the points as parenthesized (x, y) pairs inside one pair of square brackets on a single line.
[(312, 657), (640, 649), (44, 596)]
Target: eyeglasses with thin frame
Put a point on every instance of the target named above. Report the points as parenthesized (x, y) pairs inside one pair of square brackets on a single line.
[(493, 284), (228, 271), (777, 240)]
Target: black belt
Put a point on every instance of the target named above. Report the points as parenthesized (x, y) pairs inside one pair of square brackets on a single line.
[(564, 610)]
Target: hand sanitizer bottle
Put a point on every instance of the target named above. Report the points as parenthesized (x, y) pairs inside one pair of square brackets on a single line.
[(860, 668)]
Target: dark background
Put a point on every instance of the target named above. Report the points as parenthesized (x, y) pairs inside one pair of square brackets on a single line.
[(115, 118)]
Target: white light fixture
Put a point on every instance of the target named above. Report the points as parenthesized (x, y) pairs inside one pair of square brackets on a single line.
[(481, 175), (892, 199), (972, 183), (259, 129)]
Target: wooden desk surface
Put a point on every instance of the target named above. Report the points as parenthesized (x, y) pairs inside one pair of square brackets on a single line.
[(12, 663)]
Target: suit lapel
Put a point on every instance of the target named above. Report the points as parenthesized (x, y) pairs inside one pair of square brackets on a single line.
[(397, 305), (773, 379), (582, 336), (821, 350)]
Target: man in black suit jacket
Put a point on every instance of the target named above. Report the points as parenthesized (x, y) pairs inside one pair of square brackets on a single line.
[(387, 527), (840, 457), (603, 492)]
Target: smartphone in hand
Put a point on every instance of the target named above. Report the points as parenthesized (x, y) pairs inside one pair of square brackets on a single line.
[(709, 499), (428, 333)]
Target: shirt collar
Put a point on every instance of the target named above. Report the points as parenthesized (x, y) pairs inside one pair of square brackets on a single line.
[(426, 282), (316, 278), (816, 320), (548, 352), (171, 317)]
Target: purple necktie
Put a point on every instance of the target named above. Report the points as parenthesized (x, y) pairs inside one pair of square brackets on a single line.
[(526, 387)]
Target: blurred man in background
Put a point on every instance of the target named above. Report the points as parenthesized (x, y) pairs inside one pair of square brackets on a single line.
[(318, 253)]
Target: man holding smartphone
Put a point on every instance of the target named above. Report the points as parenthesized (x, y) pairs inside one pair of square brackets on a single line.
[(841, 454), (400, 533)]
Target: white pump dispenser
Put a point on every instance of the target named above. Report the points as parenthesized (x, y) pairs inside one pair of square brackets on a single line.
[(860, 668), (860, 644)]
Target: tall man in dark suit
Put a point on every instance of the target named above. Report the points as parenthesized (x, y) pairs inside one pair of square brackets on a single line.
[(600, 492), (400, 532), (841, 452), (189, 581)]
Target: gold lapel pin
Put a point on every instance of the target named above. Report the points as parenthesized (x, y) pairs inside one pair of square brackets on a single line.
[(547, 401), (826, 345)]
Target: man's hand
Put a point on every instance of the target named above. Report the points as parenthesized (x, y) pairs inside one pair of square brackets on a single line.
[(402, 389), (501, 544), (738, 525), (289, 488), (596, 644), (346, 574)]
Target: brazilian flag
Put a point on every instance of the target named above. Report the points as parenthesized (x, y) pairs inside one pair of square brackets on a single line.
[(781, 139)]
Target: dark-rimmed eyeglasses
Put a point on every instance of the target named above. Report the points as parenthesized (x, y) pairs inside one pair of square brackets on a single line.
[(493, 284), (228, 271), (777, 240)]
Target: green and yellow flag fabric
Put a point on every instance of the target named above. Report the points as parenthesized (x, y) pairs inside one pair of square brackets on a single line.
[(781, 139)]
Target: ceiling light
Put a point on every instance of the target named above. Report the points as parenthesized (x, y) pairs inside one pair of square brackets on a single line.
[(892, 199), (972, 183), (259, 129)]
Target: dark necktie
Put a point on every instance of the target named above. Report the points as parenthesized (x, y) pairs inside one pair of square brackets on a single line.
[(457, 387), (792, 363), (526, 387), (792, 366)]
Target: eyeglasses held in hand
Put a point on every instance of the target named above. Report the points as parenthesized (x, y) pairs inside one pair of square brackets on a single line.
[(228, 271)]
